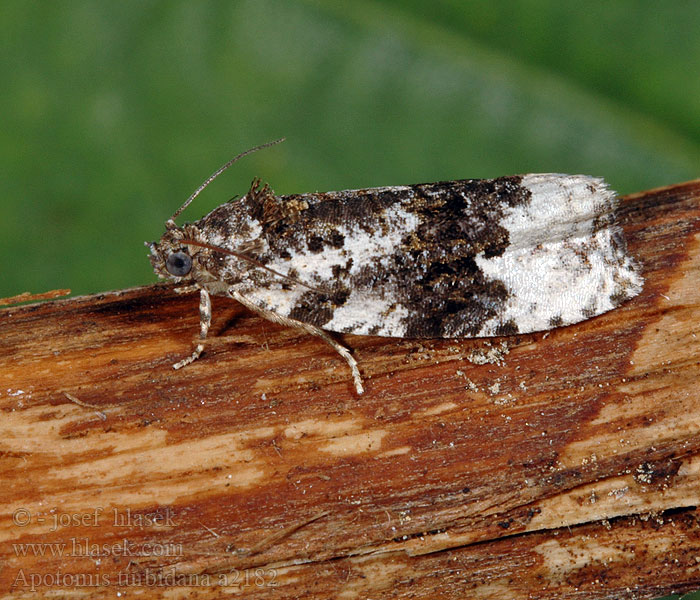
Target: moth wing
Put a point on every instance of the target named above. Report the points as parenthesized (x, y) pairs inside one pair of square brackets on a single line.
[(338, 248), (567, 259), (471, 258), (361, 313)]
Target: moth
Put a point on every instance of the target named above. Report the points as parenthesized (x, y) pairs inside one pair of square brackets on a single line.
[(466, 258)]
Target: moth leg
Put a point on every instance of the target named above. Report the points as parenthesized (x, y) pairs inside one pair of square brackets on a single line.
[(294, 324), (186, 289), (204, 323)]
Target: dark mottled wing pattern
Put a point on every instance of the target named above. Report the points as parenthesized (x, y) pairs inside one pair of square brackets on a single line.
[(451, 259)]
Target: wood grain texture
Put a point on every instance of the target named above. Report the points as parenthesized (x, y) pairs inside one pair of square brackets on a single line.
[(552, 465)]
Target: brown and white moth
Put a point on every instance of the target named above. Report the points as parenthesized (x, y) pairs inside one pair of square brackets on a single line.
[(466, 258)]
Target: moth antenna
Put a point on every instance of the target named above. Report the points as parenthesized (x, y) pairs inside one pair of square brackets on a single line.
[(170, 223), (252, 261)]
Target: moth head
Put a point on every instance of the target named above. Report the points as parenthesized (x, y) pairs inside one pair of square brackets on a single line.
[(170, 257)]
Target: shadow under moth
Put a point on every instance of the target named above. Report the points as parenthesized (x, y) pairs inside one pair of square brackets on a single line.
[(466, 258)]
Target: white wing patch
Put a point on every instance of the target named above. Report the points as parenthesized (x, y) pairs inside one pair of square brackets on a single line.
[(558, 269), (363, 314), (361, 246)]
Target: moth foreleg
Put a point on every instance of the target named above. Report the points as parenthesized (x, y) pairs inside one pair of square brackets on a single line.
[(204, 323), (186, 289), (294, 324)]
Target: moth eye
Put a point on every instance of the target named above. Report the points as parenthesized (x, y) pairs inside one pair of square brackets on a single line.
[(178, 264)]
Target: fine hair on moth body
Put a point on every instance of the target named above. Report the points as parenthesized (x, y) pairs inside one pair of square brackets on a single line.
[(466, 258)]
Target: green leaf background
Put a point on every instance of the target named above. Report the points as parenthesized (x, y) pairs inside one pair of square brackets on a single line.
[(113, 112)]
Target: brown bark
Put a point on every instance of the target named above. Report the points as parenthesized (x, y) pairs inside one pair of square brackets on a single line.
[(550, 465)]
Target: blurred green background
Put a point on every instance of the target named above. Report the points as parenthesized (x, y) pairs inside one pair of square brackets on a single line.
[(113, 112)]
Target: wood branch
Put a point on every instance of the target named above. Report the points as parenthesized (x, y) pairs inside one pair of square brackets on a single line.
[(552, 465)]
